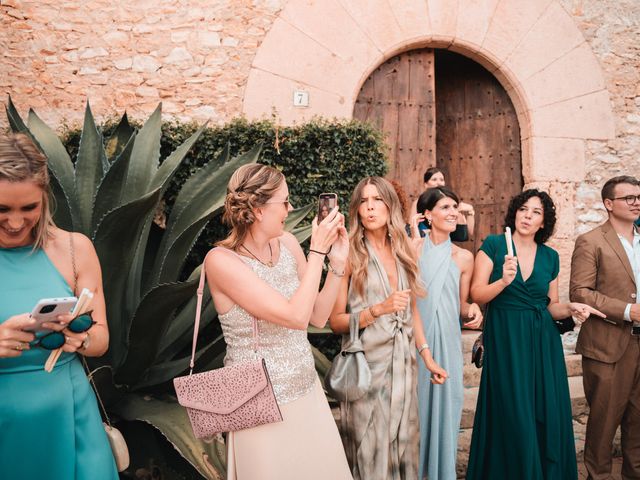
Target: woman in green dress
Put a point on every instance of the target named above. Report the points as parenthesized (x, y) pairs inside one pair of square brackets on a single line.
[(50, 423), (523, 426)]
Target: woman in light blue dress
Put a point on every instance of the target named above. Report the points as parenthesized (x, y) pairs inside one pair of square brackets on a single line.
[(446, 270), (49, 422)]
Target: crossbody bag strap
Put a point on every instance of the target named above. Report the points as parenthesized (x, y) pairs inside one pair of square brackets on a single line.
[(196, 328)]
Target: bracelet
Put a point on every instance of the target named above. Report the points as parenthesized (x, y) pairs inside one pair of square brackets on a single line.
[(311, 250), (422, 347), (334, 271)]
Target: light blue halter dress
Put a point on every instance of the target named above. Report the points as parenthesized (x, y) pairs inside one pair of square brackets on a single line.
[(50, 426), (440, 406)]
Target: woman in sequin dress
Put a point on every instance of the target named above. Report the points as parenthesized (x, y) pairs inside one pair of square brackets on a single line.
[(380, 289), (260, 271)]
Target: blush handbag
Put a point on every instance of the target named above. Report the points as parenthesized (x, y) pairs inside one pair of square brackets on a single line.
[(349, 377), (230, 398)]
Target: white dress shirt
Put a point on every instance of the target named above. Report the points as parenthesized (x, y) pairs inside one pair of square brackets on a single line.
[(633, 252)]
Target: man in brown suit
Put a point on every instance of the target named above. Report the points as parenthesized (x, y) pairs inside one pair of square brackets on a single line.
[(605, 274)]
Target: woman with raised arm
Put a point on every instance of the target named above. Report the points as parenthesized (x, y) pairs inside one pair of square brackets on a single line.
[(260, 272), (50, 423), (523, 426), (446, 270), (379, 292)]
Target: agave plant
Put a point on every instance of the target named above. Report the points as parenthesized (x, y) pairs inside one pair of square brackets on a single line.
[(111, 193)]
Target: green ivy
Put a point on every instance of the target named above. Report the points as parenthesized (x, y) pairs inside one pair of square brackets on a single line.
[(319, 156)]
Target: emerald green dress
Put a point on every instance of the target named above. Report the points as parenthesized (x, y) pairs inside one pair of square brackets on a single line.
[(50, 426), (523, 425)]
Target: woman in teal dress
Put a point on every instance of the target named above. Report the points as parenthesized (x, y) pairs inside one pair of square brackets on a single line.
[(446, 270), (49, 422), (523, 426)]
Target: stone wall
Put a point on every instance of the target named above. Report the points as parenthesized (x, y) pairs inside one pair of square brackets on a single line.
[(612, 29), (193, 55), (196, 57)]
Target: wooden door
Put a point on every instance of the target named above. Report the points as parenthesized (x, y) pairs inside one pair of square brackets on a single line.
[(436, 107), (477, 140), (398, 97)]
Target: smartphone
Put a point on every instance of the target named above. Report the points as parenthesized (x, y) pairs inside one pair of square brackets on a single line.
[(326, 203), (47, 309)]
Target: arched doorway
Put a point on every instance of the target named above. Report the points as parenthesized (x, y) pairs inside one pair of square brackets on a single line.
[(440, 108)]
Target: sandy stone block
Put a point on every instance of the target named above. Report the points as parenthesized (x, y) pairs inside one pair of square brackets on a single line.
[(115, 37), (413, 17), (88, 71), (62, 26), (510, 22), (550, 39), (289, 53), (557, 159), (209, 39), (563, 196), (341, 36), (179, 55), (577, 73), (192, 102), (230, 42), (265, 92), (474, 18), (588, 116), (142, 28), (443, 15), (93, 53), (71, 57), (51, 59), (205, 112), (101, 79), (144, 91), (192, 72), (123, 63), (15, 14), (377, 20), (180, 36), (144, 63)]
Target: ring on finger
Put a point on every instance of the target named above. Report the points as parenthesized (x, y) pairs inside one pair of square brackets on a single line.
[(19, 347)]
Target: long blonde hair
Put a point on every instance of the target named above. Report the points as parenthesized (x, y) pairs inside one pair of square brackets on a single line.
[(22, 161), (250, 187), (400, 245)]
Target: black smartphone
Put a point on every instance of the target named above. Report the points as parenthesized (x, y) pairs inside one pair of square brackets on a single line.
[(326, 203)]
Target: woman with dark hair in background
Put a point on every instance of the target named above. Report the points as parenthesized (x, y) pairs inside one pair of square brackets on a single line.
[(523, 426), (433, 177), (50, 423), (446, 270), (378, 292)]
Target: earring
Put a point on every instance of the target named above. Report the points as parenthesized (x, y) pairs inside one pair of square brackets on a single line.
[(429, 221)]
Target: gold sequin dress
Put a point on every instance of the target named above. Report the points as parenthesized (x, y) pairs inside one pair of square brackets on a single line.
[(306, 444)]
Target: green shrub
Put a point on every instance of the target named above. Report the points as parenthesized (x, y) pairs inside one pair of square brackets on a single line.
[(319, 156)]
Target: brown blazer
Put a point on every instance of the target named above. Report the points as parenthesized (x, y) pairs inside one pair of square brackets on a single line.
[(602, 277)]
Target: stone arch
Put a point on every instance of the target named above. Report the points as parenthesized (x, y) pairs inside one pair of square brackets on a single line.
[(534, 49)]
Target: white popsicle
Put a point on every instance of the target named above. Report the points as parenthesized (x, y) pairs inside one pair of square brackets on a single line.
[(507, 236)]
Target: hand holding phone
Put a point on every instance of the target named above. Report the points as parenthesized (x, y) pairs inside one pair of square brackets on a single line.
[(48, 309), (326, 203)]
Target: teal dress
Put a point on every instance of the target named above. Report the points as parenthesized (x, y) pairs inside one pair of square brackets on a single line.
[(50, 426), (523, 426), (440, 406)]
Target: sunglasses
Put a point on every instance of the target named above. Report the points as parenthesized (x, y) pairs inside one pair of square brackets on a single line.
[(55, 340)]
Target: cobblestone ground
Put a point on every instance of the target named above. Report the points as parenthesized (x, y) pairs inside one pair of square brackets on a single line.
[(617, 465)]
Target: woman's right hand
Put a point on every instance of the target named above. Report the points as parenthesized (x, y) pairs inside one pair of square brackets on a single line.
[(438, 374), (396, 302), (509, 269), (326, 232), (13, 338)]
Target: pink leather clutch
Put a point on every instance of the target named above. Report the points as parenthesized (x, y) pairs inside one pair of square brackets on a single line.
[(230, 398)]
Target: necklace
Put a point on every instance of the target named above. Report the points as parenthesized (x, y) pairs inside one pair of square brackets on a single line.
[(269, 263)]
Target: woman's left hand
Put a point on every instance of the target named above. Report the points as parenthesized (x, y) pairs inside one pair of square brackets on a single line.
[(580, 311), (475, 316), (340, 248)]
